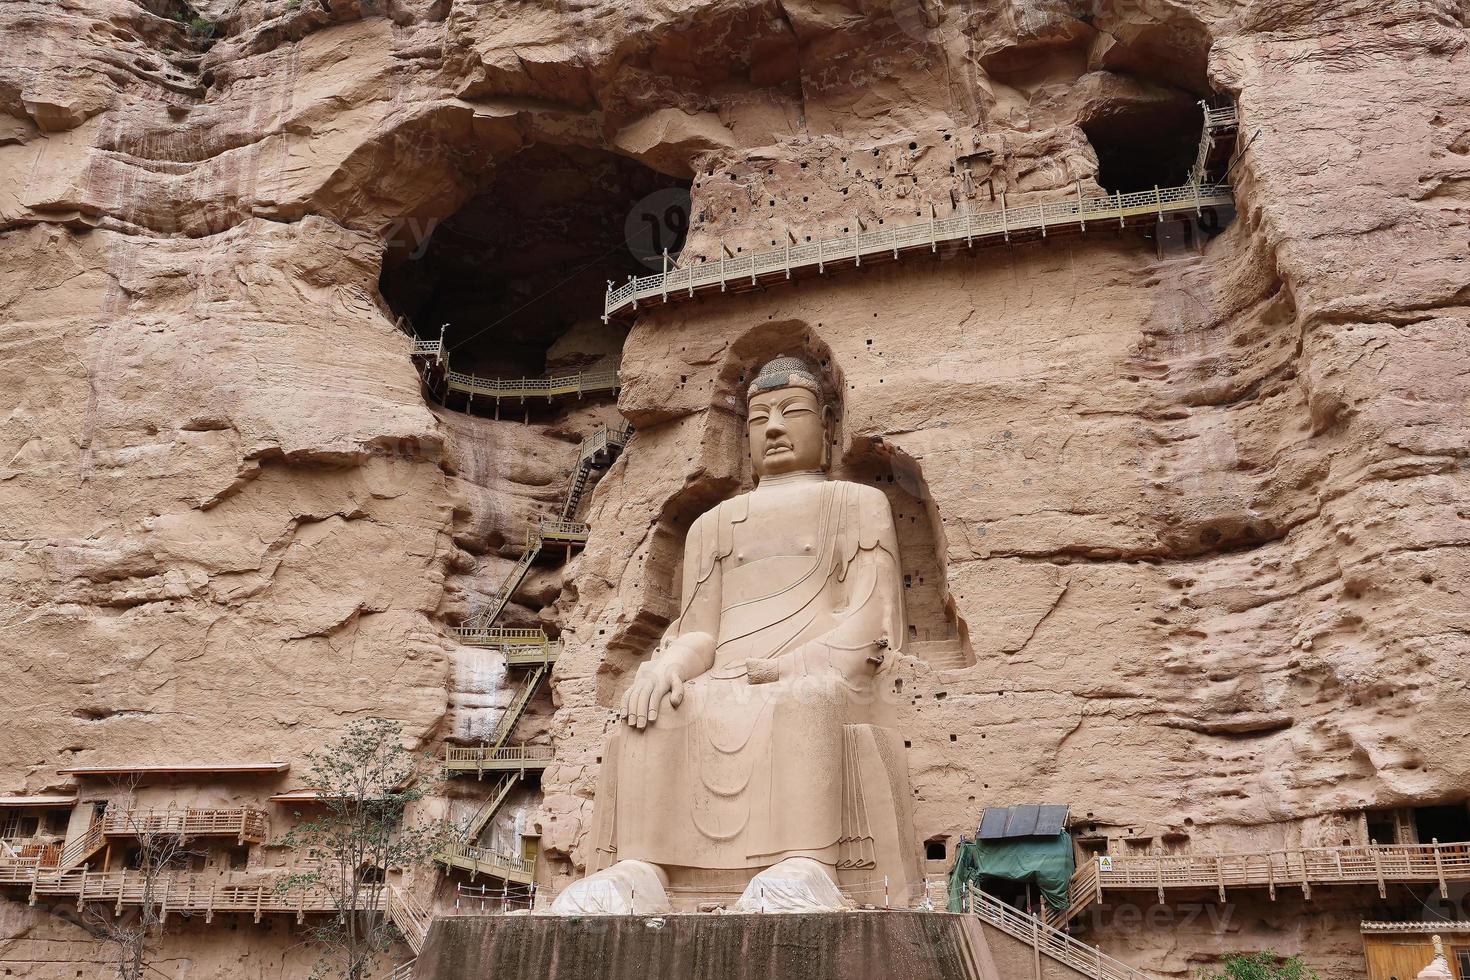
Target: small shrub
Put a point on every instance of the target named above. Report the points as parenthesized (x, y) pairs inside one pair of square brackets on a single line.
[(1265, 965)]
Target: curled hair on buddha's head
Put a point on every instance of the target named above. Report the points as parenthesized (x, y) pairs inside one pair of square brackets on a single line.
[(786, 372)]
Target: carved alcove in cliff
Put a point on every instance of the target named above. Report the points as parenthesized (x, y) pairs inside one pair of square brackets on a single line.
[(935, 632)]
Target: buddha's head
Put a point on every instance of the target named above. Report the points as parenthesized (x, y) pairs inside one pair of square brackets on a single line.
[(786, 419)]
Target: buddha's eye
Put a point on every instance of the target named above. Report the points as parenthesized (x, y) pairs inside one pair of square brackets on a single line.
[(759, 419)]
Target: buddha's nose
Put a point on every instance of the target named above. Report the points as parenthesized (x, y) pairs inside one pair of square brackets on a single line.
[(776, 425)]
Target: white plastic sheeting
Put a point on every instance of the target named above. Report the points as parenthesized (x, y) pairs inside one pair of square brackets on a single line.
[(627, 888), (797, 884)]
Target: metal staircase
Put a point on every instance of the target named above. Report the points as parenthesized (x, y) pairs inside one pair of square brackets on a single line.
[(1046, 940), (528, 649)]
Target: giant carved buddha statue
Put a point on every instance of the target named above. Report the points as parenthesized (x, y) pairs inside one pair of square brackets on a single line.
[(747, 755)]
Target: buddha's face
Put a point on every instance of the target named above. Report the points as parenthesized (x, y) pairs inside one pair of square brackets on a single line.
[(788, 431)]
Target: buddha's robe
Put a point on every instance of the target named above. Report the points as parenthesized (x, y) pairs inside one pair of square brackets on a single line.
[(743, 775)]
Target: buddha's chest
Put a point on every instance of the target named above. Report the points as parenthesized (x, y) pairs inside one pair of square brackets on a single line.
[(785, 523)]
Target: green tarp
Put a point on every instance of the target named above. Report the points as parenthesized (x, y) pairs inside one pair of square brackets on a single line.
[(1045, 861)]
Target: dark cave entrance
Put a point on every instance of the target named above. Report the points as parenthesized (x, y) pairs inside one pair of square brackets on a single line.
[(1146, 144), (516, 276)]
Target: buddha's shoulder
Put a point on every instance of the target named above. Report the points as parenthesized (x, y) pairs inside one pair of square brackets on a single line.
[(863, 494)]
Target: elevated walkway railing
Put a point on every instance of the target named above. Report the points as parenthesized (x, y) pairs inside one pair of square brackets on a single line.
[(550, 386), (890, 241), (181, 891), (1368, 864), (410, 918), (83, 847), (479, 758), (486, 861), (1048, 941), (243, 823)]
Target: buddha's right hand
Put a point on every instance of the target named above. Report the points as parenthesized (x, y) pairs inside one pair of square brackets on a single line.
[(655, 680)]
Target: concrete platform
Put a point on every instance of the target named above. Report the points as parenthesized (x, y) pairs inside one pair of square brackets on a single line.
[(814, 946)]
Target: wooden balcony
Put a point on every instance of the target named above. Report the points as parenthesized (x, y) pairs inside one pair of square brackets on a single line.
[(1373, 864), (46, 853), (483, 860), (506, 758), (245, 824)]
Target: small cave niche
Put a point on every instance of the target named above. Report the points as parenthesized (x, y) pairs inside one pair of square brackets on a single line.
[(935, 632), (515, 277), (1145, 143)]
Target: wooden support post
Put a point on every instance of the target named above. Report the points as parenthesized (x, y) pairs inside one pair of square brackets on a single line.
[(724, 251), (1378, 872), (1081, 208), (1036, 947), (1444, 891), (1041, 210), (665, 281), (1306, 884), (969, 227), (1159, 203), (787, 245), (857, 255), (1159, 877), (1118, 198), (1220, 879), (1270, 877), (933, 238), (1005, 218)]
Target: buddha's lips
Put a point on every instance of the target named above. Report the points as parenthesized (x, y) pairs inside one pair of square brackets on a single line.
[(778, 447)]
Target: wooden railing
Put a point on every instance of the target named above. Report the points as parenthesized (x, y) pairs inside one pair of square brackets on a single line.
[(484, 860), (243, 823), (410, 917), (556, 530), (83, 847), (403, 971), (47, 854), (181, 891), (1046, 940), (502, 757), (1370, 864), (988, 226)]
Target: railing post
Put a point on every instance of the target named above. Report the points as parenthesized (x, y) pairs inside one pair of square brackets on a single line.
[(1081, 209), (665, 281), (1378, 872), (1159, 203), (857, 254), (1444, 891), (1036, 945), (1118, 197), (821, 265), (1005, 219)]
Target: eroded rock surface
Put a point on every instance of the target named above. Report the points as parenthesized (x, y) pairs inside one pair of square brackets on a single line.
[(1185, 530)]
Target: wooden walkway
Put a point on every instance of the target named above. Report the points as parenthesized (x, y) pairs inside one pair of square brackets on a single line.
[(1374, 864), (180, 891), (245, 824)]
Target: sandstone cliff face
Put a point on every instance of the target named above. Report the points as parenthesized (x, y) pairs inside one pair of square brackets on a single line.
[(1185, 530)]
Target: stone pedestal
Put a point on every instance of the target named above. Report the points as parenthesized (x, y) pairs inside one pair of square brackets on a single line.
[(811, 946)]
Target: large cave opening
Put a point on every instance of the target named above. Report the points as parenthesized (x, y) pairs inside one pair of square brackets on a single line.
[(1146, 142), (515, 278)]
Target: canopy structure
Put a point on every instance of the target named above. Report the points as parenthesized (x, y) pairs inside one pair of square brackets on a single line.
[(1017, 844), (44, 802), (178, 769)]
